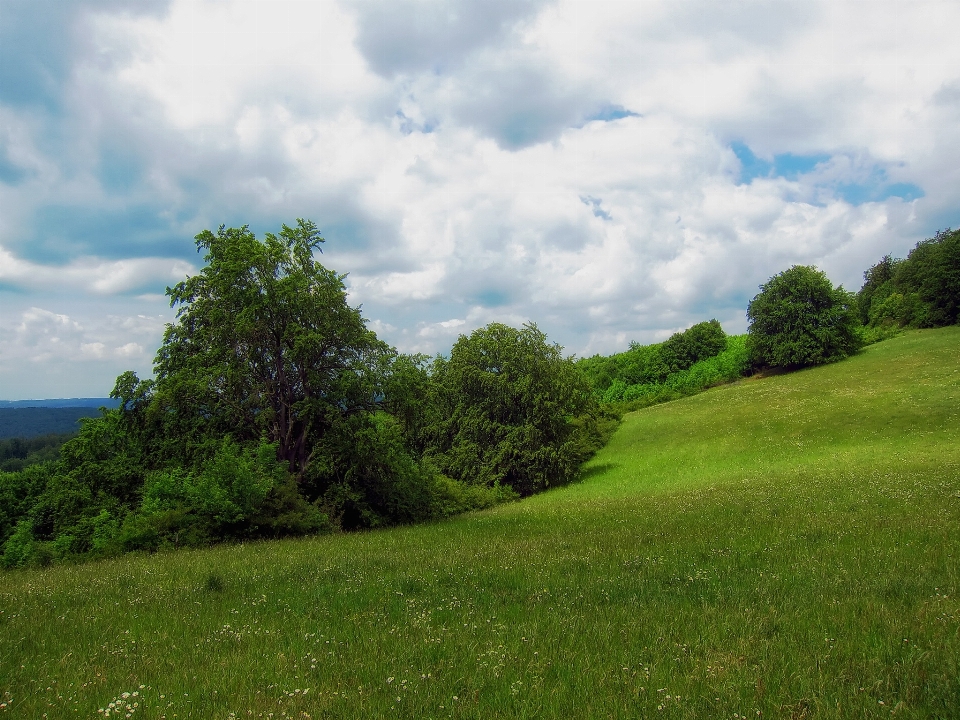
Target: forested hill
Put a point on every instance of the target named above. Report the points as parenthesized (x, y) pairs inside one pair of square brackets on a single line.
[(27, 422), (61, 403)]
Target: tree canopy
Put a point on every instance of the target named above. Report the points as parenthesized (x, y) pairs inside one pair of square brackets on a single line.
[(799, 319), (922, 290), (266, 345), (506, 401)]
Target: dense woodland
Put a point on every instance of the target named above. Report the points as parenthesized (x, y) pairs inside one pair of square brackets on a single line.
[(275, 411), (28, 422)]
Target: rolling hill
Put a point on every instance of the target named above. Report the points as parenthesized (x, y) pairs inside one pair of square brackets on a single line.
[(779, 547)]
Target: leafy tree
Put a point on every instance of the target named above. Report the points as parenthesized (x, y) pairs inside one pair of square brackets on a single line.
[(922, 290), (877, 282), (800, 319), (506, 408), (932, 270), (265, 345), (699, 342)]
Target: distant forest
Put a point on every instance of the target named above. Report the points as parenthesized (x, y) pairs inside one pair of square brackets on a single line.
[(27, 422), (275, 411)]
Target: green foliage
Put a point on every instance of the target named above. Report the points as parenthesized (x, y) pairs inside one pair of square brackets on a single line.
[(225, 491), (18, 495), (19, 546), (265, 345), (799, 319), (275, 411), (239, 492), (877, 277), (505, 404), (727, 366), (702, 341), (921, 291), (453, 497), (652, 365), (373, 479), (932, 270), (20, 452)]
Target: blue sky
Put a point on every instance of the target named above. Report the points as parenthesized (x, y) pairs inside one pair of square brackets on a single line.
[(612, 171)]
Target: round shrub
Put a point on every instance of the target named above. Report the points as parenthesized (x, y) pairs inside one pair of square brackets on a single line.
[(799, 319)]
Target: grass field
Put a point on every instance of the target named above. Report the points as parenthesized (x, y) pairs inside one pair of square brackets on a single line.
[(782, 547)]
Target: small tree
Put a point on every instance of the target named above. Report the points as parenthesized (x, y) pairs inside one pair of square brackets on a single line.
[(507, 405), (799, 319)]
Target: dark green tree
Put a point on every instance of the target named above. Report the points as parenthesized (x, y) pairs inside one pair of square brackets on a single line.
[(798, 319), (698, 342), (877, 283), (932, 270), (265, 346), (509, 409)]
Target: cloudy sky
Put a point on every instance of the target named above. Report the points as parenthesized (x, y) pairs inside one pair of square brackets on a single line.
[(612, 171)]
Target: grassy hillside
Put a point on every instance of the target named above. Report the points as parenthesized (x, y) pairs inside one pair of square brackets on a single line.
[(783, 547)]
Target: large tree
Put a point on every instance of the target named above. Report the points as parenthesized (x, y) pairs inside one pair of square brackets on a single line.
[(265, 346), (799, 318)]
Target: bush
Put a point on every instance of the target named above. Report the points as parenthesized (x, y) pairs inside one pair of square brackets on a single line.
[(452, 497), (227, 496), (506, 401), (19, 547), (799, 319), (374, 480), (727, 366), (699, 342)]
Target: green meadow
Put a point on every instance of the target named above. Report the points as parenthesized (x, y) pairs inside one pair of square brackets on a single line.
[(782, 547)]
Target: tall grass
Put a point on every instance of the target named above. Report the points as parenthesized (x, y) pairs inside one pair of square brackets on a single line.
[(784, 547)]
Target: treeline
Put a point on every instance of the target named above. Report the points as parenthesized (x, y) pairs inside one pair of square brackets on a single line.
[(922, 290), (275, 411)]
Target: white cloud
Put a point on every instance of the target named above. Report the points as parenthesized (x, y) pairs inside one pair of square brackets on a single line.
[(45, 353), (568, 162), (92, 275)]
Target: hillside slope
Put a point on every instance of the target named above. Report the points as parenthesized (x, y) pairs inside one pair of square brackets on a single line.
[(784, 547)]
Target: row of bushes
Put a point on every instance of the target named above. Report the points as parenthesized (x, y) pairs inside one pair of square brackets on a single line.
[(729, 365), (653, 364), (797, 319)]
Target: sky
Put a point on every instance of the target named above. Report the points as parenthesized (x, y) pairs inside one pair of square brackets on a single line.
[(612, 171)]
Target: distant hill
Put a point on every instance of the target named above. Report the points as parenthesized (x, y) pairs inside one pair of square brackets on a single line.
[(61, 403), (27, 422)]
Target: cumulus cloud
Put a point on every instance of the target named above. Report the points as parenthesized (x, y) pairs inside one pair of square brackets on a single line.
[(612, 171), (410, 36), (92, 275), (46, 353)]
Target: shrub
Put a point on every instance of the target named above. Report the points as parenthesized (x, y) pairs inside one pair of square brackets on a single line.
[(240, 492), (452, 497), (19, 547), (800, 319), (506, 401), (696, 343)]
